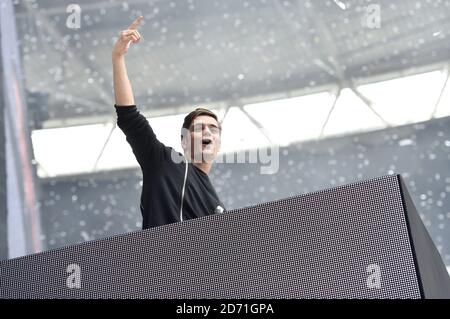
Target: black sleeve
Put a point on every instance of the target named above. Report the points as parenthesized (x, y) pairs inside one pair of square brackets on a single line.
[(149, 151)]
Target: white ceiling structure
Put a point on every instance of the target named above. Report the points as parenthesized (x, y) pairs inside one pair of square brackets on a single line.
[(280, 71), (398, 102)]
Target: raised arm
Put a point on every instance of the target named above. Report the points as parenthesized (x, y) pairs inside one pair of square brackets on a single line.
[(149, 151), (123, 92)]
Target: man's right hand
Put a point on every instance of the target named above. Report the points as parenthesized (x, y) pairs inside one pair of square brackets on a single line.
[(128, 36)]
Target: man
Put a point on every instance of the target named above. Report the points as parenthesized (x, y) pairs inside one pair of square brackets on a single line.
[(173, 189)]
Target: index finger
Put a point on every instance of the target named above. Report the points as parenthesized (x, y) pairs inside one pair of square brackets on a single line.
[(135, 23)]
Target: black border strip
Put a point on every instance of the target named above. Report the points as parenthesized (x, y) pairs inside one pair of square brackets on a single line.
[(411, 240)]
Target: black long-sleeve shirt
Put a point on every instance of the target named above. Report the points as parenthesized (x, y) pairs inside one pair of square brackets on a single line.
[(163, 176)]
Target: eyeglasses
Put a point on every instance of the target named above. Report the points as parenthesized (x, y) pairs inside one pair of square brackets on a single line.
[(199, 127)]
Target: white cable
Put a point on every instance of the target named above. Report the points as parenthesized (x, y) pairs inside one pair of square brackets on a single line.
[(182, 191)]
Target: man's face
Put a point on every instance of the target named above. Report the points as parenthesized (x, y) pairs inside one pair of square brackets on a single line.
[(204, 139)]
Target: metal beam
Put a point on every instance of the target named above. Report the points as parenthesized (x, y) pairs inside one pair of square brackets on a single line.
[(257, 124), (3, 191), (433, 114)]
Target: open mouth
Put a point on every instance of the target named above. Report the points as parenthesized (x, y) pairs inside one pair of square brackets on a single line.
[(206, 142)]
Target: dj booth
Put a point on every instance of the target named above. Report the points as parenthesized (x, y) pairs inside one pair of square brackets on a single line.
[(362, 240)]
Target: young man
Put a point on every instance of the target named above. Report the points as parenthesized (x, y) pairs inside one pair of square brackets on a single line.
[(175, 187)]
